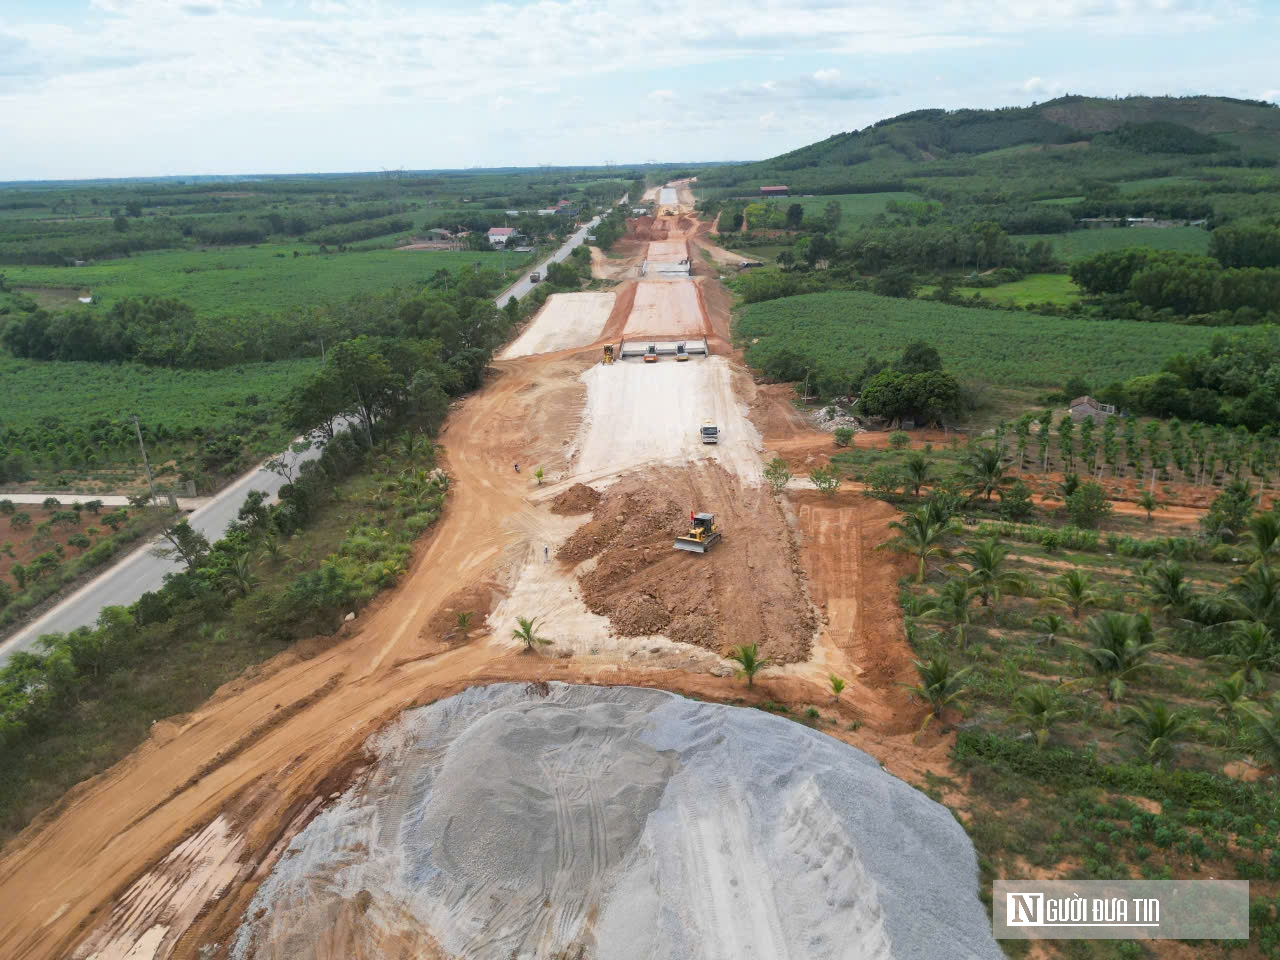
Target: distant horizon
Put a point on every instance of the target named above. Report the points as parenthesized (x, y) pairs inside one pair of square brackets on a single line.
[(143, 89), (621, 165)]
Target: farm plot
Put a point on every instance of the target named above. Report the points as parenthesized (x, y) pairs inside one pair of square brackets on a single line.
[(566, 320)]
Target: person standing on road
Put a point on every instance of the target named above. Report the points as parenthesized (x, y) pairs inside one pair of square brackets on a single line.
[(546, 553)]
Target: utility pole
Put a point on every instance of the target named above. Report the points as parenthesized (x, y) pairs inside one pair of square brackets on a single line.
[(137, 428)]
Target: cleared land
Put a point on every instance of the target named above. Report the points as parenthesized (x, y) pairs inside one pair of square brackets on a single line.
[(565, 320), (839, 330), (639, 413), (670, 307), (667, 251)]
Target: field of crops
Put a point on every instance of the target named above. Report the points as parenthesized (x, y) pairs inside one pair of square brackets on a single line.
[(1079, 244), (839, 330), (73, 422), (1035, 288), (266, 278), (855, 208)]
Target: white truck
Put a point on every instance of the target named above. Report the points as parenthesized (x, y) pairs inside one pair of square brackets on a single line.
[(710, 433)]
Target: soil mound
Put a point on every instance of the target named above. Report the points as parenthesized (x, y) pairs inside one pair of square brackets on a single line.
[(522, 820), (748, 589), (577, 499)]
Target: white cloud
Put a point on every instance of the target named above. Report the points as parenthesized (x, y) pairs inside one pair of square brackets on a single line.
[(826, 77), (769, 119), (501, 103), (662, 95)]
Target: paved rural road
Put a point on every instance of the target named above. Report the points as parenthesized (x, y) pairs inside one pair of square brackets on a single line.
[(142, 571), (523, 286)]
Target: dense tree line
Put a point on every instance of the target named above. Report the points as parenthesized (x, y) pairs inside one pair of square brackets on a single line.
[(1182, 284), (1235, 382)]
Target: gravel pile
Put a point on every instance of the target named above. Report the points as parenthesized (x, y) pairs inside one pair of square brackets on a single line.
[(552, 820)]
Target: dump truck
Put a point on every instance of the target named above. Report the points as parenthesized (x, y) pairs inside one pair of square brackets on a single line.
[(651, 355), (608, 353), (709, 432), (535, 277), (703, 533)]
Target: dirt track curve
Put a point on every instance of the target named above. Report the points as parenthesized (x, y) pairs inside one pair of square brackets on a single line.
[(161, 854)]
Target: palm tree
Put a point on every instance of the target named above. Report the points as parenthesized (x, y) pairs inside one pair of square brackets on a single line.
[(917, 469), (1157, 729), (1264, 533), (463, 617), (1038, 707), (1121, 646), (952, 604), (1052, 625), (984, 471), (920, 533), (985, 560), (1148, 502), (527, 633), (1253, 650), (1264, 724), (1168, 588), (1256, 595), (1068, 485), (1230, 698), (239, 579), (1076, 591), (749, 661), (837, 686), (938, 685)]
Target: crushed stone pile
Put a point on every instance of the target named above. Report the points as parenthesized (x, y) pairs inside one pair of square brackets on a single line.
[(830, 418), (748, 589), (577, 499), (548, 820)]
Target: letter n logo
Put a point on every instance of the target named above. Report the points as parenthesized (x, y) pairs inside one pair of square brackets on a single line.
[(1023, 909)]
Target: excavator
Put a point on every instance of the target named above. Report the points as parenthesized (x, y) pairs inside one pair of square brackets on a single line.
[(703, 533)]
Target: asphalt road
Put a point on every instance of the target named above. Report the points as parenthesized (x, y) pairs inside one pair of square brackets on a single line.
[(142, 571)]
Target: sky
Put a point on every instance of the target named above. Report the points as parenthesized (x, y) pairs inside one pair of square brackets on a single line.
[(120, 88)]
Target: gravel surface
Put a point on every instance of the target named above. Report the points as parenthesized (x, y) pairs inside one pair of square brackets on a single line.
[(552, 820)]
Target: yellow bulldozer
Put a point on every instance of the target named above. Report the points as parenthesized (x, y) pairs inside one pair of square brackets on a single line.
[(703, 533), (608, 353)]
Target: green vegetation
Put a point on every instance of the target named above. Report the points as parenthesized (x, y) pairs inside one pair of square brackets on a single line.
[(266, 278), (834, 334), (1079, 244)]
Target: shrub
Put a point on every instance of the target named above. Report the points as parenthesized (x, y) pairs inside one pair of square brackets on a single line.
[(843, 436), (7, 509), (899, 439), (1088, 505), (1016, 503)]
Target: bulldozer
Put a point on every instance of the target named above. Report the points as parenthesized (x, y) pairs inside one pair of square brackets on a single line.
[(703, 533), (608, 353)]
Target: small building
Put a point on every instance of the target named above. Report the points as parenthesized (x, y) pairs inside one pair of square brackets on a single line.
[(775, 191), (547, 212), (498, 236), (1083, 408), (512, 213), (639, 211)]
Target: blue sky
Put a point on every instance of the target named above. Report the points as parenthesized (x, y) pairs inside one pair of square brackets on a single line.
[(110, 88)]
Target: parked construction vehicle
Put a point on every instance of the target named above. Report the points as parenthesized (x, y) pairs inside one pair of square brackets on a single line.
[(651, 355), (535, 277), (608, 353), (703, 533), (710, 433), (682, 354)]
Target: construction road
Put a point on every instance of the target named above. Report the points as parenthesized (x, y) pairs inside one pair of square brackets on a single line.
[(160, 855)]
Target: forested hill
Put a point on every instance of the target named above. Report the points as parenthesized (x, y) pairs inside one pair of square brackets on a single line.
[(1213, 130)]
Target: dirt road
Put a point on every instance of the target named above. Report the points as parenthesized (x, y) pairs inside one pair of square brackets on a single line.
[(161, 854)]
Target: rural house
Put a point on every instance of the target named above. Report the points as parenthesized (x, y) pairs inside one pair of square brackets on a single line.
[(1087, 407), (776, 191), (498, 236)]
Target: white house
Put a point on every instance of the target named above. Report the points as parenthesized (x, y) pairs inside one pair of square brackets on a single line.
[(498, 236)]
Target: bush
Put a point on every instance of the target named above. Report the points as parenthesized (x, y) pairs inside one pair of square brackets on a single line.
[(7, 509), (899, 440), (1016, 503), (843, 436), (1089, 505)]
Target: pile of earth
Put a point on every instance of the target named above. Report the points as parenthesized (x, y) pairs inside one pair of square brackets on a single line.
[(747, 589), (548, 820), (577, 499)]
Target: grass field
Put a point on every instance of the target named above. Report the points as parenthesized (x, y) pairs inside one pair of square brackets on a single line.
[(855, 208), (265, 278), (1079, 244), (838, 330), (1036, 288)]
